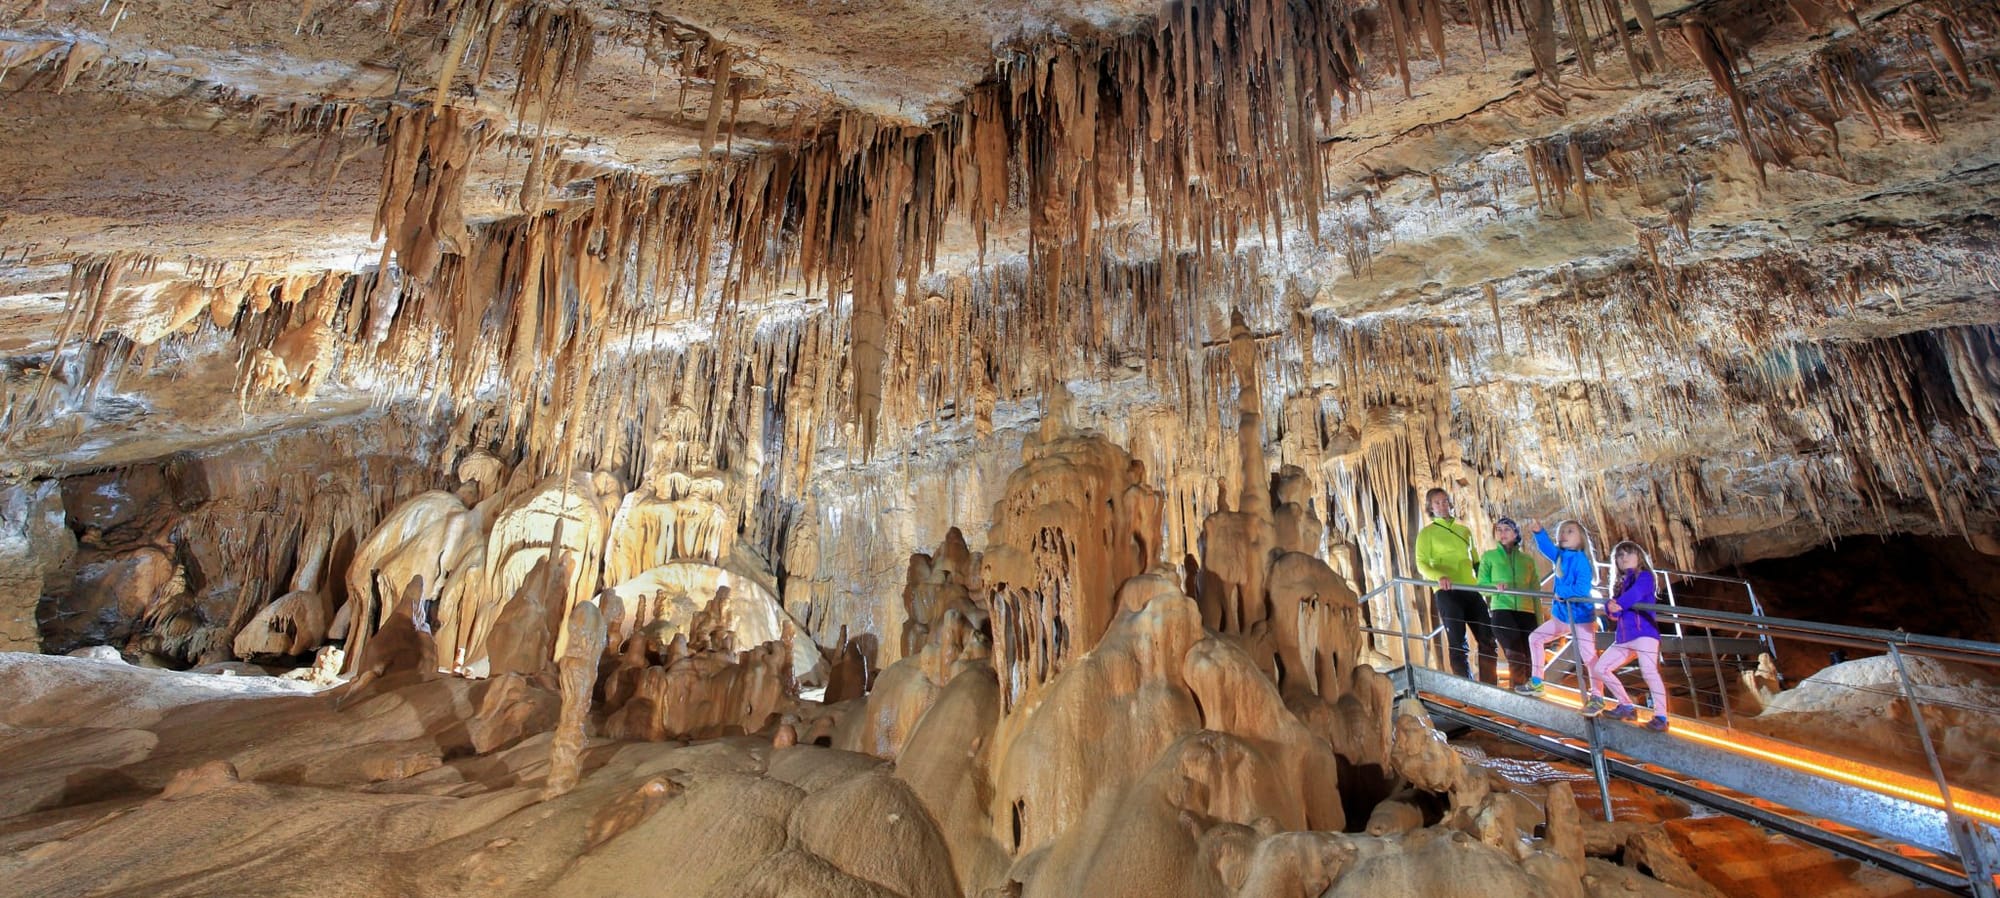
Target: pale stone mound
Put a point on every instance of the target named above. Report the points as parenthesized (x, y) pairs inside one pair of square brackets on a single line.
[(1858, 708), (1111, 740), (60, 691), (1871, 683), (664, 600)]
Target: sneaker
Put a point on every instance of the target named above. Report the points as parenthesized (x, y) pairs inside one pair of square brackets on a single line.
[(1658, 724), (1593, 707), (1622, 712), (1532, 687)]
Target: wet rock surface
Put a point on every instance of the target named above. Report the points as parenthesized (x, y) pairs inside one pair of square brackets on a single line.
[(1720, 282), (1159, 755), (578, 384)]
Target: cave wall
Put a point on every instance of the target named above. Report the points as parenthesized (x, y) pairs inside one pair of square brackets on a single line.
[(168, 559), (1368, 434), (1941, 586), (1735, 306), (35, 544)]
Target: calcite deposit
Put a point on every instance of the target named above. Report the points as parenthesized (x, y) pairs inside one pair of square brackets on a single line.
[(1069, 725), (1521, 252), (926, 446)]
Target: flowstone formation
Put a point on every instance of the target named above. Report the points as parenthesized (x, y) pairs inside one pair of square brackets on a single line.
[(582, 385), (1163, 742), (493, 570), (1716, 276), (204, 558), (1066, 722)]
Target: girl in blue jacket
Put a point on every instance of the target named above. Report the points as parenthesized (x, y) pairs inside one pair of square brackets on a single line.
[(1574, 612)]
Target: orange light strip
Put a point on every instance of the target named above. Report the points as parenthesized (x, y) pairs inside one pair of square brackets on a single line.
[(1889, 782)]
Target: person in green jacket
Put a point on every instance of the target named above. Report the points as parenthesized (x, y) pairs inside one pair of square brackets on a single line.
[(1508, 566), (1445, 553)]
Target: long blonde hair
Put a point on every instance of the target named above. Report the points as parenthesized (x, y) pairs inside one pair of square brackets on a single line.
[(1589, 549)]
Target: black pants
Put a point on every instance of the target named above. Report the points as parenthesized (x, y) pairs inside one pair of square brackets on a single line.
[(1512, 629), (1459, 610)]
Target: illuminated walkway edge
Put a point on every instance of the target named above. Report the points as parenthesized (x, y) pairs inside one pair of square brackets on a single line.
[(1792, 789)]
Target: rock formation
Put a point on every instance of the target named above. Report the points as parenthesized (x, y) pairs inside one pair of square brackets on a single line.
[(503, 251), (584, 385), (1066, 719), (578, 673), (35, 540)]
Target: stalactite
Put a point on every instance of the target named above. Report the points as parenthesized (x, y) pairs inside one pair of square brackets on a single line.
[(1713, 51), (555, 50), (1579, 37), (649, 299), (1974, 359), (423, 177), (856, 206), (1541, 20)]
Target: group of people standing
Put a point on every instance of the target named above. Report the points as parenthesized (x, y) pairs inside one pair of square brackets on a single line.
[(1511, 623)]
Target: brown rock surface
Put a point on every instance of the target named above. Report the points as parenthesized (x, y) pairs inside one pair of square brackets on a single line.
[(1459, 256), (1158, 757), (35, 546), (398, 335)]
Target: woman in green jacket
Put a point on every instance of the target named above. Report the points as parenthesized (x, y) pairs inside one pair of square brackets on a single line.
[(1514, 617), (1444, 554)]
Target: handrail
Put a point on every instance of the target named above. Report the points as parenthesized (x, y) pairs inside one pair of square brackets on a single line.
[(1749, 588), (1693, 575), (1866, 637), (1393, 582), (1972, 651), (1974, 844)]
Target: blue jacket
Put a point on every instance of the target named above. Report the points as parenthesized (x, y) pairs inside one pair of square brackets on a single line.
[(1575, 577)]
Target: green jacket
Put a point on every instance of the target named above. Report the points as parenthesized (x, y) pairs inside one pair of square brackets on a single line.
[(1511, 570), (1444, 549)]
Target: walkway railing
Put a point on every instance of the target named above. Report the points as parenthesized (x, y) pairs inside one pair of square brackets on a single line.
[(1674, 592), (1889, 755)]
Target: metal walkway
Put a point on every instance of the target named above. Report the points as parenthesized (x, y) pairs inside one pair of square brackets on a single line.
[(1921, 827), (1873, 825)]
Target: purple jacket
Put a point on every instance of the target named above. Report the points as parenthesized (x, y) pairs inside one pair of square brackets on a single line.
[(1636, 599)]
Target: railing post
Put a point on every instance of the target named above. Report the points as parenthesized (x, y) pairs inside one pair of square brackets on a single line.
[(1680, 634), (1403, 625), (1721, 686), (1981, 841), (1757, 608), (1600, 770), (1970, 853)]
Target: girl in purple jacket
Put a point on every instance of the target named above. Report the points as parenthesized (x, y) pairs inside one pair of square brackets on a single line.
[(1632, 602)]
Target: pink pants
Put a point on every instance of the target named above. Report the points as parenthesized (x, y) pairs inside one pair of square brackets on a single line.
[(1603, 673), (1584, 635)]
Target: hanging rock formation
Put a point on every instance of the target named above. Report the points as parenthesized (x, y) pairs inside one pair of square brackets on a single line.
[(1699, 194), (584, 384)]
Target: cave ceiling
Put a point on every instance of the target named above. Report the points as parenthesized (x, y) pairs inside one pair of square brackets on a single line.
[(1741, 252)]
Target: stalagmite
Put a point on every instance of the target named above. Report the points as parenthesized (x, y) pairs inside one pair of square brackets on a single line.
[(1057, 558), (1418, 753), (706, 687), (297, 622), (408, 547), (578, 673), (522, 638), (947, 464)]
